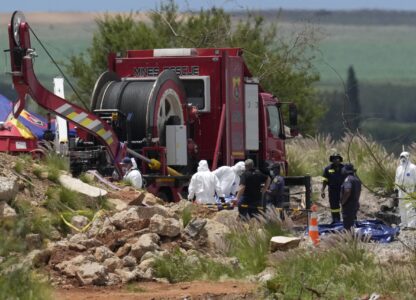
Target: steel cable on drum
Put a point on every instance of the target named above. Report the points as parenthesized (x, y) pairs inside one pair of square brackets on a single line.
[(128, 96)]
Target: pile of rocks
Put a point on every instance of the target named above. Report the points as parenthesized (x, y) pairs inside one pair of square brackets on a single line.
[(122, 247)]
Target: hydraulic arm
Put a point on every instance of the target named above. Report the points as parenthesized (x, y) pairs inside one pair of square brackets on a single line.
[(26, 84)]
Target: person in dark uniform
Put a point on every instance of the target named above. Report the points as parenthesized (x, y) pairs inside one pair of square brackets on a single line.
[(274, 194), (333, 178), (350, 196), (249, 195)]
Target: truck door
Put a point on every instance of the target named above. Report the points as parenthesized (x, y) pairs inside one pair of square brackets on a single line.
[(275, 149)]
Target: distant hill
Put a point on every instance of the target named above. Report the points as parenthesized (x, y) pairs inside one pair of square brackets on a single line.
[(342, 17)]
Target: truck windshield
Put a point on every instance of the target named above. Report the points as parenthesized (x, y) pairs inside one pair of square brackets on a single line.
[(274, 120)]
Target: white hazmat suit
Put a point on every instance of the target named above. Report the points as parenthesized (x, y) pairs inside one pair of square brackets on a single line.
[(405, 182), (204, 184), (229, 178), (132, 174)]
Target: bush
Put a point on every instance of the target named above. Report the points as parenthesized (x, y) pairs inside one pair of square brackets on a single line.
[(22, 283), (249, 242), (18, 167), (375, 167), (17, 281), (341, 269), (57, 162), (179, 267), (186, 215)]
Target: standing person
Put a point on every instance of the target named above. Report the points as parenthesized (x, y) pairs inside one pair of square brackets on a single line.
[(405, 182), (250, 191), (274, 195), (229, 178), (350, 196), (131, 173), (333, 178), (204, 184)]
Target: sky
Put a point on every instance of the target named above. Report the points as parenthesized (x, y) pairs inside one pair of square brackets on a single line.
[(143, 5)]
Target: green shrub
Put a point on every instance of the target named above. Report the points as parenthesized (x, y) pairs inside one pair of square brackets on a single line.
[(18, 167), (53, 174), (179, 267), (186, 215), (249, 242), (17, 281), (340, 269), (375, 167), (37, 171), (57, 162), (84, 178), (23, 283)]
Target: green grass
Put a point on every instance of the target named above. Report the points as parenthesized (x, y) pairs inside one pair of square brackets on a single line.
[(178, 267), (249, 242), (18, 167), (186, 215), (84, 178), (340, 269), (16, 281), (375, 166)]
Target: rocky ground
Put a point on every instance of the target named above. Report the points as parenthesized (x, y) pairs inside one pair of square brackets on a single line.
[(117, 248)]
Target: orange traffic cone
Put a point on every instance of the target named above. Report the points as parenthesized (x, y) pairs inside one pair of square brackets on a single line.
[(313, 225)]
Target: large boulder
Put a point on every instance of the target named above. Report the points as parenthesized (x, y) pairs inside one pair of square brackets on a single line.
[(102, 253), (6, 211), (81, 187), (91, 273), (151, 200), (79, 222), (148, 212), (283, 243), (8, 188), (147, 242), (118, 204), (216, 233), (164, 226), (194, 227), (129, 219), (113, 263)]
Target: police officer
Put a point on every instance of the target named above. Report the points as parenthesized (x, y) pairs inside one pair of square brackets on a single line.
[(249, 195), (274, 195), (350, 196), (333, 178)]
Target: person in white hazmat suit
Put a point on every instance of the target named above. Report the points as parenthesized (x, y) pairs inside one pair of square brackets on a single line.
[(131, 173), (229, 178), (204, 184), (405, 182)]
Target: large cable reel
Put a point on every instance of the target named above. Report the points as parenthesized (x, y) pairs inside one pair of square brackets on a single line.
[(154, 103)]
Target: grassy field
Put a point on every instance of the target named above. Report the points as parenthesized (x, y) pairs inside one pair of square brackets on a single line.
[(379, 54), (382, 55)]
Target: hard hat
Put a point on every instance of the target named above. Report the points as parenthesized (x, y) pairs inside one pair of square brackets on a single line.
[(334, 156)]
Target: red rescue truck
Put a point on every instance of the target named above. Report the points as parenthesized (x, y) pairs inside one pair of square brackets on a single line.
[(168, 107)]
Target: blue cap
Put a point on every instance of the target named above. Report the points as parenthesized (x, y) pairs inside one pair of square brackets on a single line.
[(126, 160)]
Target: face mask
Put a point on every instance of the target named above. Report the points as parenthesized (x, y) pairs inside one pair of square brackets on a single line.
[(403, 160), (272, 173)]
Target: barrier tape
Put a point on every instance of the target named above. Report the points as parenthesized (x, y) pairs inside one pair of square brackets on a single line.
[(83, 229)]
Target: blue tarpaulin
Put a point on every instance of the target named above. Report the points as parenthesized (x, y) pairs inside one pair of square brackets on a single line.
[(375, 230)]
